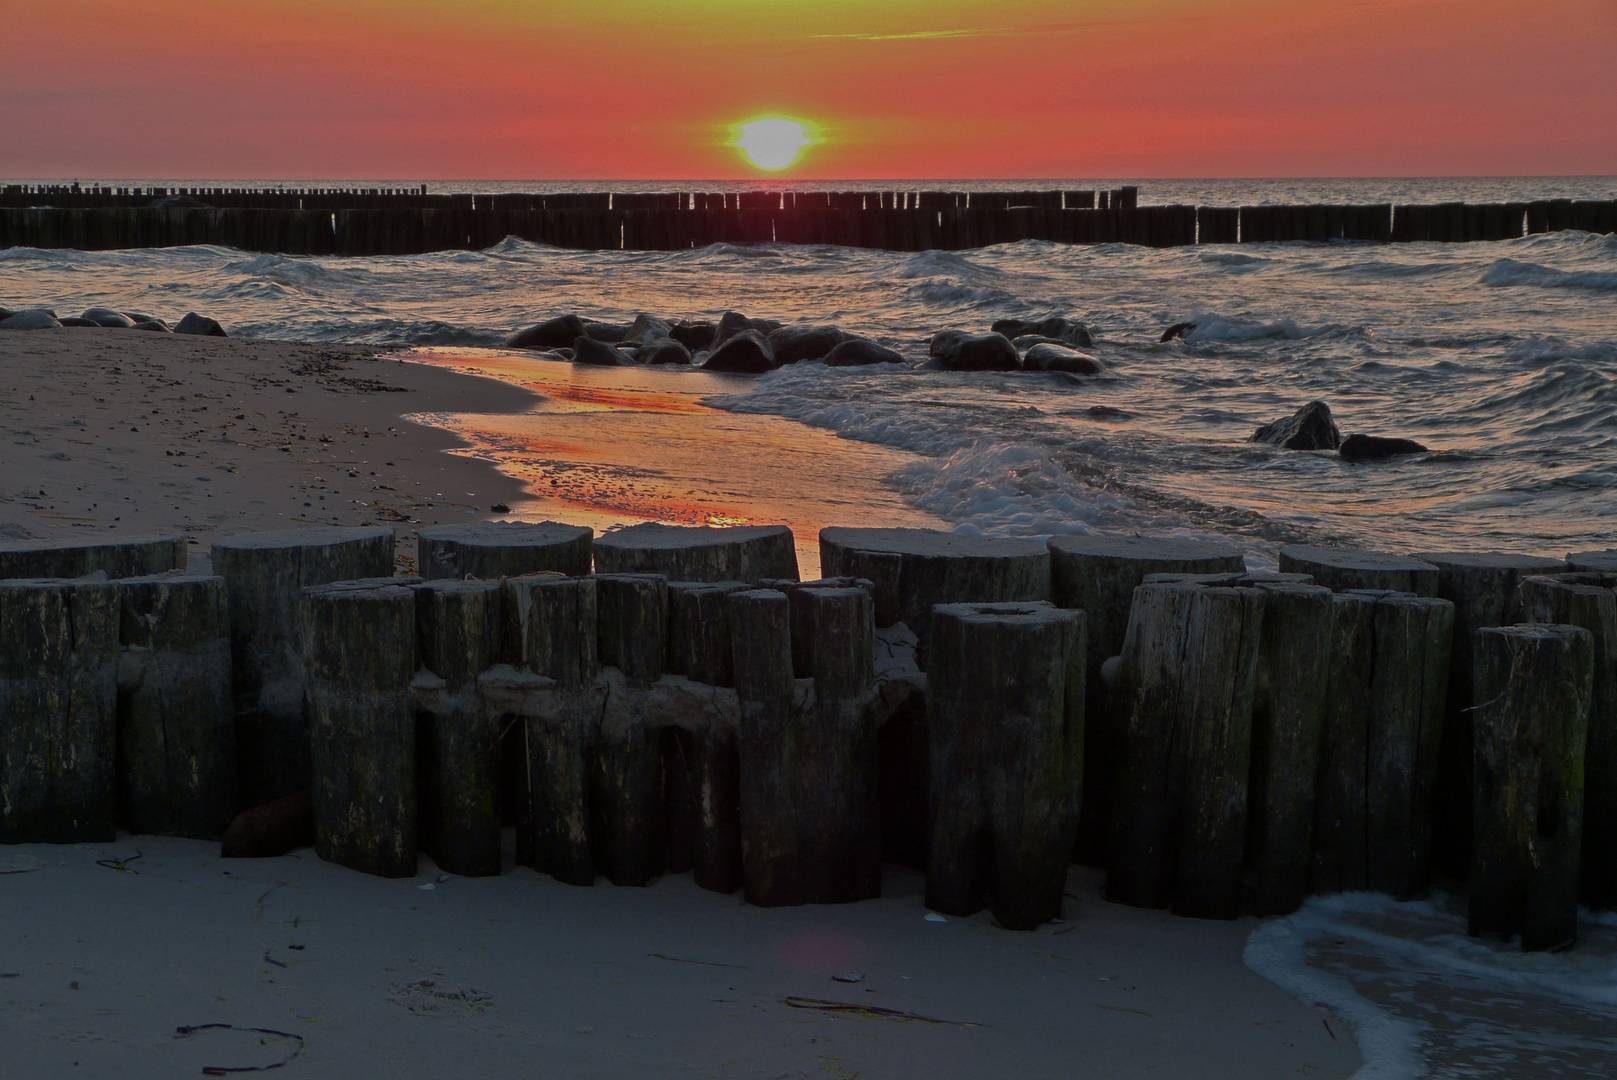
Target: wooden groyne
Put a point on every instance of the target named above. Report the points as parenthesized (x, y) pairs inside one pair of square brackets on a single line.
[(392, 222), (668, 700)]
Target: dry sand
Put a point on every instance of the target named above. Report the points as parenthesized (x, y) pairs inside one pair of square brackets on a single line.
[(104, 958)]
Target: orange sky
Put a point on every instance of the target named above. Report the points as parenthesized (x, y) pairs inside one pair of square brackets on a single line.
[(645, 89)]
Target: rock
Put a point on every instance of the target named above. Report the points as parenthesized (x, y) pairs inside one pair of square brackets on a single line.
[(155, 325), (200, 325), (793, 344), (274, 828), (856, 352), (747, 352), (1376, 447), (645, 329), (733, 323), (1309, 428), (1177, 330), (34, 319), (662, 351), (694, 336), (135, 317), (586, 350), (107, 317), (557, 333), (6, 313), (611, 333), (956, 350), (180, 202), (1055, 328), (1047, 357), (70, 321)]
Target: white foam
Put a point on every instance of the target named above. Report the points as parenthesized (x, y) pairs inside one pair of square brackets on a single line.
[(1510, 272)]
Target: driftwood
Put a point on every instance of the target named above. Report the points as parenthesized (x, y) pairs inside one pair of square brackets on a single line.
[(1005, 701), (1534, 685)]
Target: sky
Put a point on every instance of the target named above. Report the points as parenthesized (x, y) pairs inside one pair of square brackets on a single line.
[(940, 89)]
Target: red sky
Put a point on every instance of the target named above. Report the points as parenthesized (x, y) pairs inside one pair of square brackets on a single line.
[(646, 89)]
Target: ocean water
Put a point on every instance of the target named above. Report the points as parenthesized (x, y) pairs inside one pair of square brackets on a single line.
[(1501, 357)]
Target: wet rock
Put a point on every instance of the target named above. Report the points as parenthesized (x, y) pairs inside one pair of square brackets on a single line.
[(748, 352), (154, 325), (556, 333), (794, 344), (859, 351), (136, 317), (956, 350), (662, 351), (611, 333), (694, 336), (732, 323), (586, 350), (646, 329), (273, 828), (74, 321), (6, 313), (1177, 330), (107, 317), (1309, 428), (33, 319), (1064, 331), (1048, 357), (200, 325), (1377, 447)]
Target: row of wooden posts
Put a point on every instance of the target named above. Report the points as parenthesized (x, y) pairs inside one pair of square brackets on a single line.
[(661, 700), (411, 230)]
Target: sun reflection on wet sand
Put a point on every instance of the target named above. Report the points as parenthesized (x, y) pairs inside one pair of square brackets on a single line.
[(616, 446)]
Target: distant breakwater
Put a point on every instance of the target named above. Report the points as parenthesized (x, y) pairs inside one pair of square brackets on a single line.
[(407, 222)]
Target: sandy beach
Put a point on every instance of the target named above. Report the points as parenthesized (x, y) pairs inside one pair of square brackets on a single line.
[(109, 955)]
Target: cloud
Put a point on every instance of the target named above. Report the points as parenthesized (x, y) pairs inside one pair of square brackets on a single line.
[(981, 31)]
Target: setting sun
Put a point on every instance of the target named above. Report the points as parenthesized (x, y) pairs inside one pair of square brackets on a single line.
[(774, 142)]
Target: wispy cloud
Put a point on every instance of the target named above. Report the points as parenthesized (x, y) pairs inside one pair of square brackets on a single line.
[(979, 31)]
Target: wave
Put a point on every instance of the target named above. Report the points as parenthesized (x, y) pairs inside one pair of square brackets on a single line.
[(1220, 328), (1535, 351), (1509, 272)]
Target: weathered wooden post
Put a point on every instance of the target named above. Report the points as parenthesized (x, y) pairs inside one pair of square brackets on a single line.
[(129, 557), (1340, 569), (458, 764), (698, 635), (1484, 589), (551, 631), (1383, 728), (1588, 601), (1288, 727), (359, 641), (176, 714), (1535, 685), (631, 612), (809, 813), (264, 573), (496, 549), (58, 711), (747, 553), (702, 783), (1005, 703), (1098, 575)]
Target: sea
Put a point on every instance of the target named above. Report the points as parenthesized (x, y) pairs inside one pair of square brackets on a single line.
[(1500, 357)]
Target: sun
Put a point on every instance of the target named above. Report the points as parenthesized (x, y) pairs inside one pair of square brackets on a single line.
[(773, 142)]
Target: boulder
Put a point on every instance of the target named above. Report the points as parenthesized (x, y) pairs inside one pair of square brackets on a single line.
[(956, 350), (793, 344), (732, 323), (663, 350), (747, 352), (856, 352), (1055, 328), (6, 313), (611, 333), (694, 336), (107, 317), (1047, 357), (586, 350), (34, 319), (646, 329), (1376, 447), (1177, 330), (154, 325), (200, 325), (557, 333), (73, 321), (1309, 428), (135, 317)]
